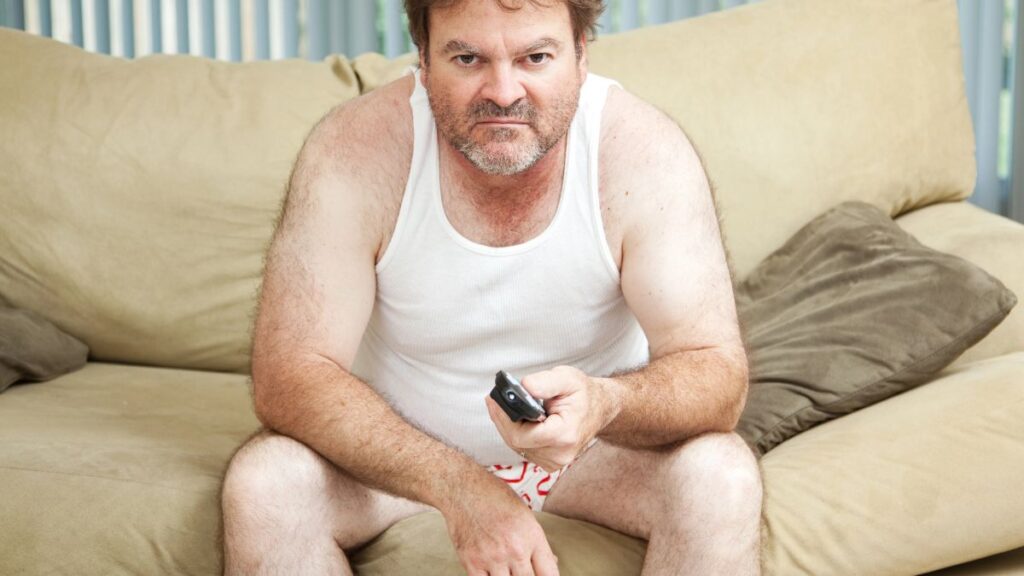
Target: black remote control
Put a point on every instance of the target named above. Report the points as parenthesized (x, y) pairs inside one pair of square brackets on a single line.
[(515, 400)]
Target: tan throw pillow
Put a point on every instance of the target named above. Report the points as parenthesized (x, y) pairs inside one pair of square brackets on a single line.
[(32, 348), (850, 311)]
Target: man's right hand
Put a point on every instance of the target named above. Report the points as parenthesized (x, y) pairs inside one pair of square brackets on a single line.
[(496, 534)]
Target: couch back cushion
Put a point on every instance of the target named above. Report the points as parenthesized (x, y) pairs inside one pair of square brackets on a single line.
[(798, 105), (138, 196)]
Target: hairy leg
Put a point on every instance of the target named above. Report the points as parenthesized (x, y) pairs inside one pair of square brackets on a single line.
[(697, 503), (288, 510)]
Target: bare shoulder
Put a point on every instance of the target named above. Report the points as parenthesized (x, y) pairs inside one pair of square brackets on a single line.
[(362, 149), (646, 161)]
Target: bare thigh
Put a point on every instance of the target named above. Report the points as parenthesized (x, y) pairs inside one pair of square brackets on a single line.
[(604, 486), (283, 485), (634, 491)]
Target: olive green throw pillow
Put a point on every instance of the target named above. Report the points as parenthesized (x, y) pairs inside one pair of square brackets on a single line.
[(32, 348), (850, 311)]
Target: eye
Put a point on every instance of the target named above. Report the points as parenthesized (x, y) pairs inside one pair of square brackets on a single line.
[(466, 59), (539, 58)]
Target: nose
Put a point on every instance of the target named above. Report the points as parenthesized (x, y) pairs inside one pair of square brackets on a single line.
[(502, 86)]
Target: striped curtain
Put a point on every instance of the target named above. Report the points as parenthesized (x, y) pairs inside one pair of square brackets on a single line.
[(240, 30)]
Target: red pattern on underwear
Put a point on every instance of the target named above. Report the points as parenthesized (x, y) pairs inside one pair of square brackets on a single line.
[(533, 482), (543, 491), (522, 475)]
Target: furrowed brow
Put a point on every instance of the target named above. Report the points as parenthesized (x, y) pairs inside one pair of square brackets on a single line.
[(459, 46), (542, 44)]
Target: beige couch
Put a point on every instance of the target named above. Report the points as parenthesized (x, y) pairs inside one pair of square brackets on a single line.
[(137, 199)]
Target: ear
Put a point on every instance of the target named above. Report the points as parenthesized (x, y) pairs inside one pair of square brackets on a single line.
[(423, 60)]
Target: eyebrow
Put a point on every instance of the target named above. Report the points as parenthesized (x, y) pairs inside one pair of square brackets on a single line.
[(460, 46)]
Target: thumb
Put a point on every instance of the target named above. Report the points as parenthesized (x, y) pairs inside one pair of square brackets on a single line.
[(544, 385)]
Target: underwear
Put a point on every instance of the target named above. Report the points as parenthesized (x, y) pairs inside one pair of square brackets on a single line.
[(531, 482)]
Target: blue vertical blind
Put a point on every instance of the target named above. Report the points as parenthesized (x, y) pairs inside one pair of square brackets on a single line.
[(987, 34), (239, 30)]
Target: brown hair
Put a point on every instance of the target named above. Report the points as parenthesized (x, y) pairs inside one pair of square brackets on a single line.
[(582, 13)]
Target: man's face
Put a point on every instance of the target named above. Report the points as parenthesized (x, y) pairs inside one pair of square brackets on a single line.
[(503, 85)]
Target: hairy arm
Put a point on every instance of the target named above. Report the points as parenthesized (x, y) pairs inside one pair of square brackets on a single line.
[(316, 299), (676, 280)]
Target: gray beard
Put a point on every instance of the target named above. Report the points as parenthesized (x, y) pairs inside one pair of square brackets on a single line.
[(502, 165)]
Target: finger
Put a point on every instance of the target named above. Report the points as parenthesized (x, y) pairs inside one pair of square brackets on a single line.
[(498, 571), (545, 563), (510, 433), (558, 382), (495, 412), (499, 419), (523, 568), (542, 434), (548, 466)]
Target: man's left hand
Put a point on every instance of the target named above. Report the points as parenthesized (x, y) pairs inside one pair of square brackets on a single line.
[(578, 407)]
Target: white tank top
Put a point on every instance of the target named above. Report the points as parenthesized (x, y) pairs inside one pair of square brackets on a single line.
[(449, 312)]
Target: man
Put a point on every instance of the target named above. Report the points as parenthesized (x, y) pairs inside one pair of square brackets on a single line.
[(499, 209)]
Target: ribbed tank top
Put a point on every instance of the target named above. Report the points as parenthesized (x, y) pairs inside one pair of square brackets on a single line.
[(449, 312)]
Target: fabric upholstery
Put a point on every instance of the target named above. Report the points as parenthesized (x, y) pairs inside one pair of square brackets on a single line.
[(850, 311), (926, 479), (128, 135), (117, 470), (33, 349), (420, 545), (798, 105), (1007, 563), (899, 488), (139, 196), (990, 241)]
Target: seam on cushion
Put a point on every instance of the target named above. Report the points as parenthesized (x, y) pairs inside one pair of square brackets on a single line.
[(77, 475), (987, 319)]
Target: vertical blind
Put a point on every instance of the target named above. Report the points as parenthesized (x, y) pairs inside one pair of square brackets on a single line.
[(987, 33), (239, 30)]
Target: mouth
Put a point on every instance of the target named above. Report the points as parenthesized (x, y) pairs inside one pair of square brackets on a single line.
[(502, 122)]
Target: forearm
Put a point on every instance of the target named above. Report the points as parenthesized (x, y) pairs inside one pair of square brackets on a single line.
[(328, 409), (675, 397)]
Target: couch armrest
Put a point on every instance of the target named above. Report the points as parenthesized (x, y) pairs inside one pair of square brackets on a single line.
[(994, 243)]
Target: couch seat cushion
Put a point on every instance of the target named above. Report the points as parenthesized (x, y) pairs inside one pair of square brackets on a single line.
[(927, 479), (116, 469), (923, 480)]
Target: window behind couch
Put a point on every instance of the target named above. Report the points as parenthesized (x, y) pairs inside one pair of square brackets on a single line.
[(240, 30)]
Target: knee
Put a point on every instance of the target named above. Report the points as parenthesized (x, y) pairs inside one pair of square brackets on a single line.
[(721, 467), (269, 471)]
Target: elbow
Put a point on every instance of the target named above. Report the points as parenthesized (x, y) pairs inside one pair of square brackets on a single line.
[(281, 390), (739, 385), (265, 386), (261, 404)]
